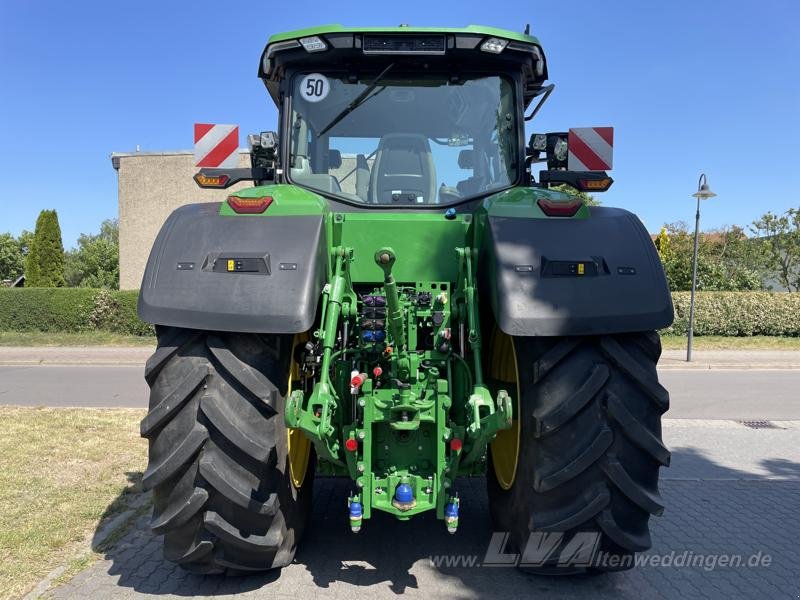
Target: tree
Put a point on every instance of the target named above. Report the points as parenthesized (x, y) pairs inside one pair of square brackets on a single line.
[(44, 265), (662, 245), (737, 257), (12, 261), (780, 250), (25, 241), (588, 199), (727, 259), (95, 262)]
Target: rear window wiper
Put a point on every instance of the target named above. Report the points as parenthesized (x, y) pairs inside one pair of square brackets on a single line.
[(358, 101)]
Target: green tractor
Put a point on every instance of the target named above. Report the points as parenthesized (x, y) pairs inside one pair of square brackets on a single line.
[(399, 300)]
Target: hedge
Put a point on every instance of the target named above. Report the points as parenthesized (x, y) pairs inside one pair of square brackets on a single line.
[(738, 313), (70, 310), (83, 309)]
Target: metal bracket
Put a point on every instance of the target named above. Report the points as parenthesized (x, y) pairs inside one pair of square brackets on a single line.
[(544, 92)]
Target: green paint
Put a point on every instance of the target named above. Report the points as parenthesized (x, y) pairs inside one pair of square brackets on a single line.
[(426, 241), (473, 29)]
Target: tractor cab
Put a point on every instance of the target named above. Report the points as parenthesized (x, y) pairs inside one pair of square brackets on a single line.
[(404, 116)]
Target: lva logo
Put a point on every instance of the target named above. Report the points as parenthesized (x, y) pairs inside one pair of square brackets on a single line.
[(544, 548)]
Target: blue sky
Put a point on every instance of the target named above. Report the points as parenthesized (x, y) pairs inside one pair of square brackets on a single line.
[(690, 86)]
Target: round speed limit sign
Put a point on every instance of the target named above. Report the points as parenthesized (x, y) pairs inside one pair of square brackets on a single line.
[(314, 87)]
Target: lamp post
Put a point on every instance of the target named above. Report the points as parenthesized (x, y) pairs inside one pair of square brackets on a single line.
[(703, 193)]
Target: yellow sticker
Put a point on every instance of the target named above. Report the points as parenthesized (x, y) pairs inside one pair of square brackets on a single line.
[(231, 265), (581, 268)]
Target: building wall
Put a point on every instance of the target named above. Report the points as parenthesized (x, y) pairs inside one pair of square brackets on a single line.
[(150, 186)]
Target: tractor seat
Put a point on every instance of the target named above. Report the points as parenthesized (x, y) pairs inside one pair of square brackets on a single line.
[(403, 171), (474, 184)]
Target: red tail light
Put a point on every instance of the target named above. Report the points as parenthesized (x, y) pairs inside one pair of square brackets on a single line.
[(559, 209), (249, 206)]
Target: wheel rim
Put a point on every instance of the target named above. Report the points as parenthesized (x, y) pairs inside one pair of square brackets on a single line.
[(505, 446), (299, 447)]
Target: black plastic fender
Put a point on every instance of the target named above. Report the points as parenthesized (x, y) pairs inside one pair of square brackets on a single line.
[(565, 276), (272, 286)]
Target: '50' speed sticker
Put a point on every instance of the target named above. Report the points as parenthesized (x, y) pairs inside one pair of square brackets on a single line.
[(314, 87)]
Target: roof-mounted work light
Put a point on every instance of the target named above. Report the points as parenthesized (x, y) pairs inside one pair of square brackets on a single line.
[(494, 45), (313, 44)]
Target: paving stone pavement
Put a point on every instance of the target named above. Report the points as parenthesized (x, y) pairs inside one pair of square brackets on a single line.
[(724, 512)]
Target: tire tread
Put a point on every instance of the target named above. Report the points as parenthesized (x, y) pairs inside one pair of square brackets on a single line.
[(222, 494), (591, 444)]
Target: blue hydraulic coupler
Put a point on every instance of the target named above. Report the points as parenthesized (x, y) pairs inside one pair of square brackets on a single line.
[(356, 513), (451, 515), (373, 336), (404, 497), (404, 493)]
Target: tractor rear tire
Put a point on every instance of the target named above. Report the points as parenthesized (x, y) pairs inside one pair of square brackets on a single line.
[(589, 450), (218, 466)]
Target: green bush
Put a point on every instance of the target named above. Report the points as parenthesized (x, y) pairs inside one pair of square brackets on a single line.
[(70, 310), (738, 313), (127, 319)]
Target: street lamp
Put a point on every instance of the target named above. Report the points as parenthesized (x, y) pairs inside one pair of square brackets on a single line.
[(703, 193)]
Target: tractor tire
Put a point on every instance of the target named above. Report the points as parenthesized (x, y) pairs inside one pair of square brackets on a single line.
[(588, 453), (218, 466)]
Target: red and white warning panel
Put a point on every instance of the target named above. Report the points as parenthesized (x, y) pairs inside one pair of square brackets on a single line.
[(590, 148), (216, 145)]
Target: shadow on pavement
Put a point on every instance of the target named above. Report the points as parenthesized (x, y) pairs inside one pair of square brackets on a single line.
[(689, 463), (105, 536)]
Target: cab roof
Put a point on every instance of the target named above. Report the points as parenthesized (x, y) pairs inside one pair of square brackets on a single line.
[(469, 29), (372, 47)]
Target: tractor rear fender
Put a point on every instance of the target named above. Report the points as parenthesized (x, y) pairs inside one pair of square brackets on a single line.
[(261, 274), (574, 276)]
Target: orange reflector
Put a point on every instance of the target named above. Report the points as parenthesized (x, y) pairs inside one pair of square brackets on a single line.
[(559, 209), (249, 206), (211, 181), (596, 185)]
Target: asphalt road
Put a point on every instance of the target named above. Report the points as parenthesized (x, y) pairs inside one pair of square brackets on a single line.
[(738, 395), (703, 394), (73, 385)]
